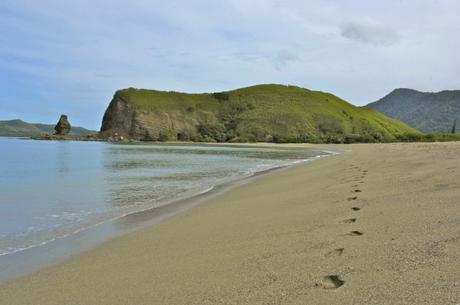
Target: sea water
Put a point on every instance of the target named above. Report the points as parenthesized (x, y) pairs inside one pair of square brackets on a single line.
[(52, 189)]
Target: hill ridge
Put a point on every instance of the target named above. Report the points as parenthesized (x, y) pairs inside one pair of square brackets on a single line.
[(264, 112), (430, 112), (20, 128)]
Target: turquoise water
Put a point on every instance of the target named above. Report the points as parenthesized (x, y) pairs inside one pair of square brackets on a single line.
[(50, 190)]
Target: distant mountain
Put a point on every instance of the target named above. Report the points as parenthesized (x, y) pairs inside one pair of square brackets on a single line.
[(425, 111), (262, 113), (18, 128)]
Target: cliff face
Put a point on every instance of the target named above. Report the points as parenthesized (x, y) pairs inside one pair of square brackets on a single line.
[(260, 113), (124, 118), (118, 118)]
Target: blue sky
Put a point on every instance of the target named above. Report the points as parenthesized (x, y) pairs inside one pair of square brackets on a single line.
[(70, 56)]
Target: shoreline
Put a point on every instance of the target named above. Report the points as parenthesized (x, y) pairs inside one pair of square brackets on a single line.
[(376, 226), (60, 249)]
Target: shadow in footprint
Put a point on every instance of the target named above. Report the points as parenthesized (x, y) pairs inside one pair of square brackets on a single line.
[(350, 220), (355, 233), (331, 282), (355, 208), (352, 198), (335, 252), (357, 191)]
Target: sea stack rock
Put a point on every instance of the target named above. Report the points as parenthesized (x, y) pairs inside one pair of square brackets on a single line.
[(63, 126)]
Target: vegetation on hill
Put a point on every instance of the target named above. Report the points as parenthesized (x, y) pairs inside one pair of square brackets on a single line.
[(18, 128), (432, 137), (427, 112), (266, 113)]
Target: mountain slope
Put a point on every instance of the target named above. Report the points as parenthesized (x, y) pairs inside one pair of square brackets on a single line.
[(18, 128), (259, 113), (427, 112)]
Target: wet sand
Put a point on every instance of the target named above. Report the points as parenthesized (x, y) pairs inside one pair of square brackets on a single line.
[(379, 225)]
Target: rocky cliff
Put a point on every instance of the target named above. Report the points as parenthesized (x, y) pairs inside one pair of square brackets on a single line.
[(260, 113), (63, 126)]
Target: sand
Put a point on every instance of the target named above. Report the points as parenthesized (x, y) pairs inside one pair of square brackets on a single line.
[(379, 225)]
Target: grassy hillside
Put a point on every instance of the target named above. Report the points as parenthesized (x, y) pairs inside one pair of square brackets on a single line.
[(260, 113), (425, 111), (18, 128)]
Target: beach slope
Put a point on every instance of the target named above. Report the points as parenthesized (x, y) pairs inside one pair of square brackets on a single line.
[(378, 225)]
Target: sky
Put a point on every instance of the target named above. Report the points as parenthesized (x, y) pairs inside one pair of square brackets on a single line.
[(71, 56)]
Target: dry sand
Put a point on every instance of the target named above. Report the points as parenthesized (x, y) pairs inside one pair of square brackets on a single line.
[(380, 225)]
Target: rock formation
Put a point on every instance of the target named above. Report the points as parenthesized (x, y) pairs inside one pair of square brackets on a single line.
[(62, 128)]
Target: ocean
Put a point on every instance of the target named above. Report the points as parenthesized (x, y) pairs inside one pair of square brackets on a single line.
[(51, 190)]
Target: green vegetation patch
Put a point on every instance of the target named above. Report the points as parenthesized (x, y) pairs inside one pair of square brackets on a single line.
[(262, 113)]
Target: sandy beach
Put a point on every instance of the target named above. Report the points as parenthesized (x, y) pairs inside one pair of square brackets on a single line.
[(377, 225)]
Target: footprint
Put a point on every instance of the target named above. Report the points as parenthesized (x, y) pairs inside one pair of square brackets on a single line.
[(357, 191), (352, 198), (355, 233), (355, 208), (350, 220), (335, 252), (331, 282)]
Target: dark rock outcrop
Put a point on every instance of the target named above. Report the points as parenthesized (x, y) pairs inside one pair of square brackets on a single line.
[(63, 127), (124, 120), (118, 118)]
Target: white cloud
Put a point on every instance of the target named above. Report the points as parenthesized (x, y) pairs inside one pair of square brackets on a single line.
[(284, 58), (370, 32)]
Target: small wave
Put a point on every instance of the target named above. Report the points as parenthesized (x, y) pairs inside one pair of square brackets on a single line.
[(260, 168)]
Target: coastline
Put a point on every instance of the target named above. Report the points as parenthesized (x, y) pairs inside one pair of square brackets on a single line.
[(381, 223), (37, 257)]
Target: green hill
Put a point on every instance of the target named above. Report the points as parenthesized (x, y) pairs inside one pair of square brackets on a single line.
[(269, 113), (18, 128), (426, 111)]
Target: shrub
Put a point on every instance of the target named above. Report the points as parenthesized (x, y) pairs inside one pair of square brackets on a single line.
[(217, 132), (353, 138), (309, 138), (409, 137), (221, 96), (332, 139), (183, 136), (166, 135), (328, 124)]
